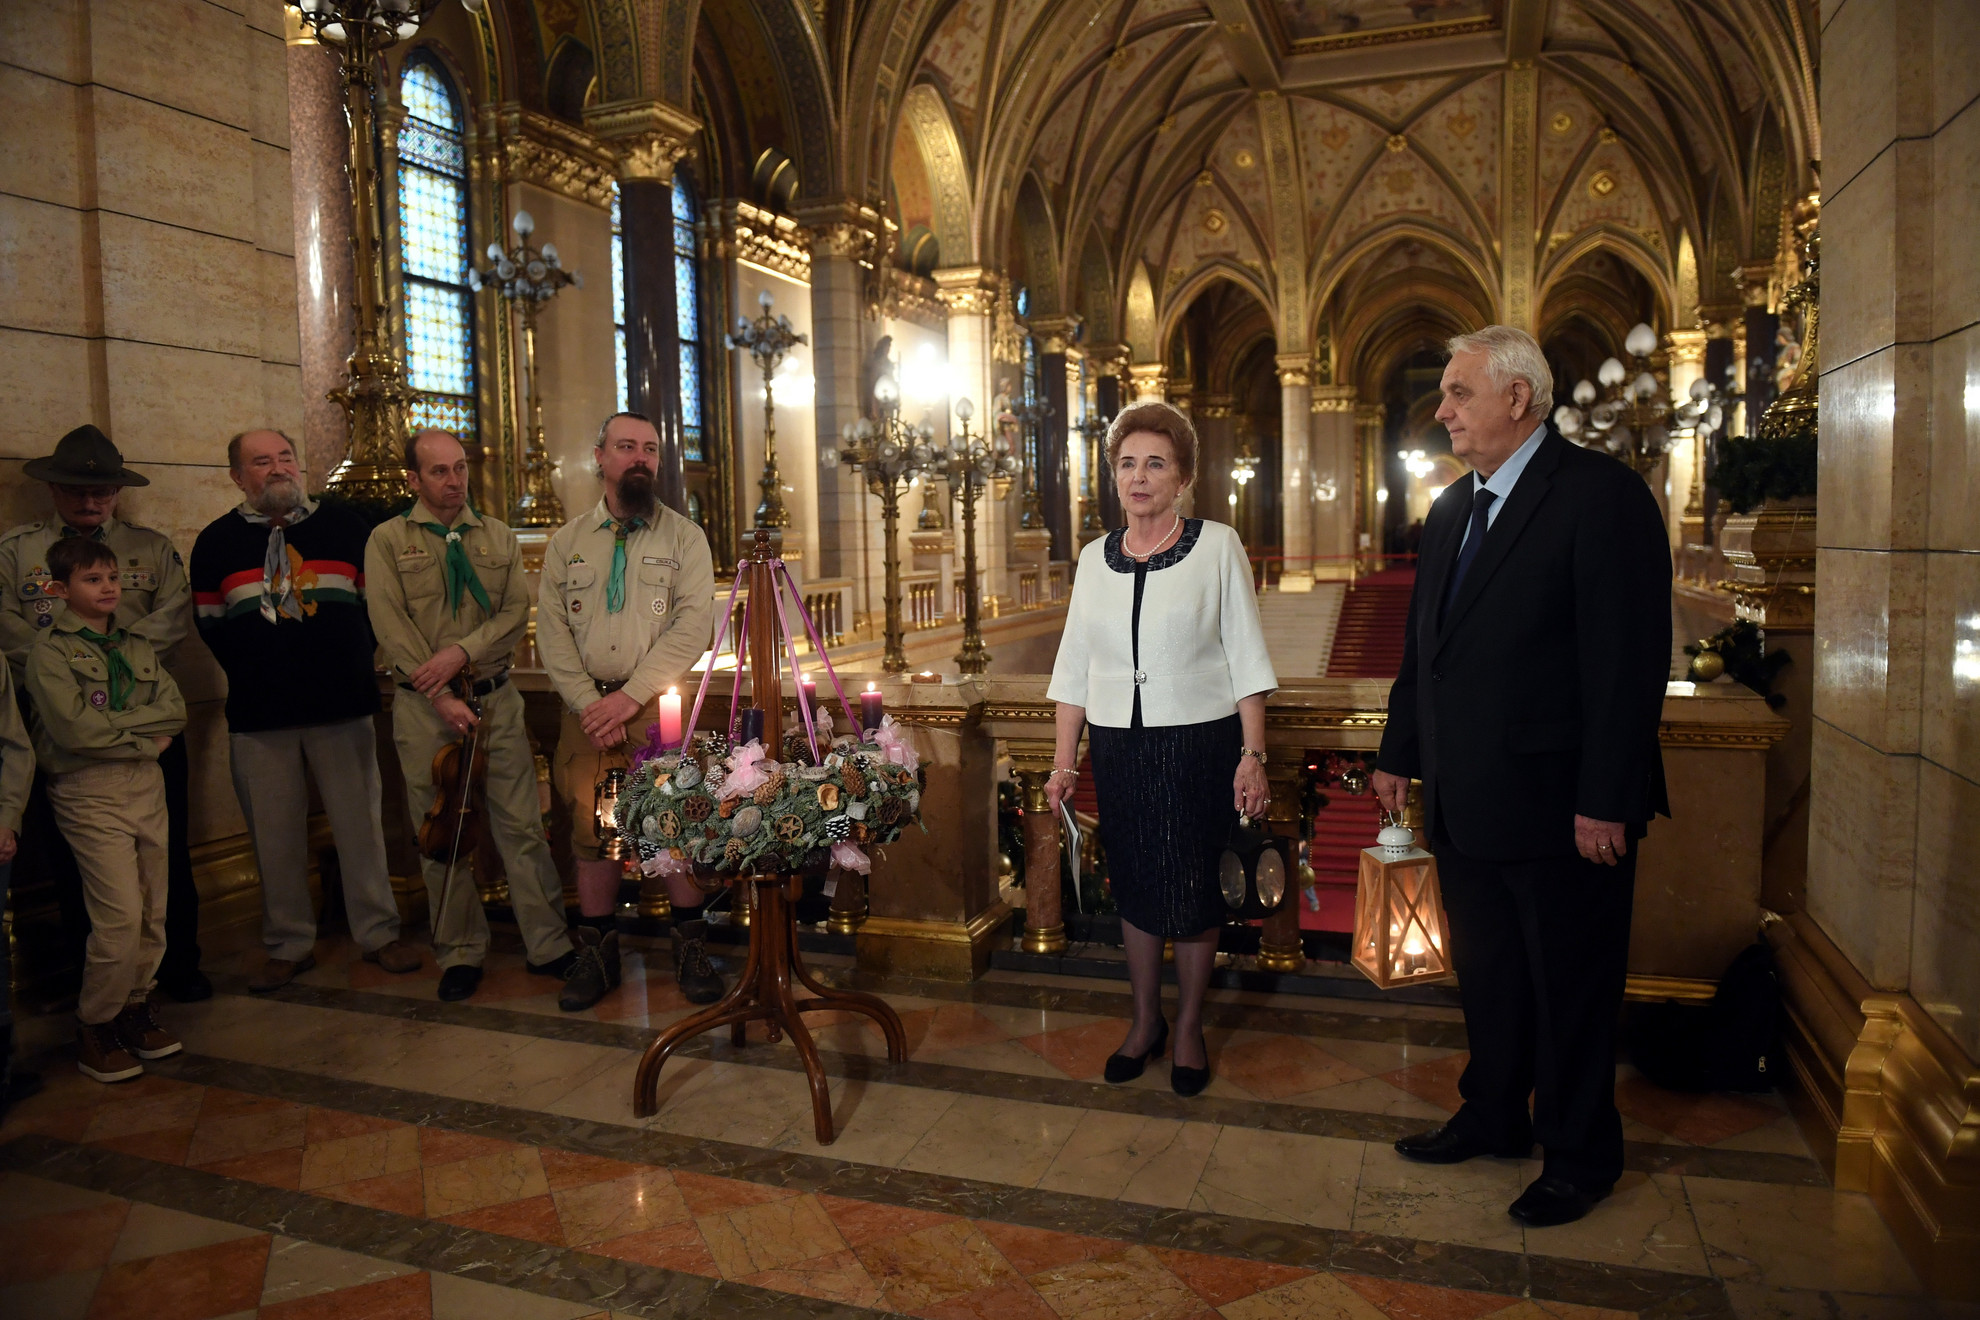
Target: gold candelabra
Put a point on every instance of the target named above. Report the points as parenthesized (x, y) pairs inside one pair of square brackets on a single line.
[(528, 277), (1030, 417), (1094, 432), (973, 462), (768, 338), (891, 453), (375, 394)]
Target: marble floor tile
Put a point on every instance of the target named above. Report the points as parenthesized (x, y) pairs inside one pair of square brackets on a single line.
[(400, 1193), (1434, 1082), (44, 1246), (234, 1135), (531, 1219), (565, 1170), (1006, 1141), (1316, 1297), (1014, 1021), (933, 1265), (1400, 1300), (1645, 1222), (773, 1235), (1280, 1175), (707, 1195), (1757, 1302), (1128, 1285), (874, 1122), (607, 1095), (1375, 1057), (61, 1297), (1151, 1161), (1012, 1299), (1797, 1237), (729, 1102), (304, 1269), (1079, 1052), (126, 1113), (677, 1247), (1006, 1056), (837, 1277), (366, 1155), (207, 1281), (1222, 1279), (1276, 1067), (483, 1180), (1701, 1120), (401, 1297), (24, 1196), (863, 1222), (595, 1212), (1439, 1203), (152, 1230), (1035, 1250), (536, 1075), (948, 1027), (1372, 1095), (1781, 1136)]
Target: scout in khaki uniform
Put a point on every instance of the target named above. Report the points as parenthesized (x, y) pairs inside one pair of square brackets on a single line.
[(84, 475), (104, 708), (16, 773), (626, 608), (446, 591)]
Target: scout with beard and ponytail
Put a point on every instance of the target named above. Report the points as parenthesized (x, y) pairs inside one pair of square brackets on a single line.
[(626, 608)]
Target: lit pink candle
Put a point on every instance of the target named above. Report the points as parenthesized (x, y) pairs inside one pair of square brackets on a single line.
[(670, 718), (870, 712), (807, 693)]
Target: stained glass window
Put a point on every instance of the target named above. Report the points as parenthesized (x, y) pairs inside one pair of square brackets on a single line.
[(687, 309), (433, 252), (619, 298)]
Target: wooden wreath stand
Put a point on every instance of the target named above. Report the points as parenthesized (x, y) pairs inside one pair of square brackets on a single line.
[(764, 991)]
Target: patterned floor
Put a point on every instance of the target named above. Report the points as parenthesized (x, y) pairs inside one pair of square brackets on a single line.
[(352, 1148)]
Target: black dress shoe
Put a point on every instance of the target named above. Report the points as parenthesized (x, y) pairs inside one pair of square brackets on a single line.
[(1447, 1145), (459, 982), (1127, 1067), (189, 988), (559, 967), (1553, 1200)]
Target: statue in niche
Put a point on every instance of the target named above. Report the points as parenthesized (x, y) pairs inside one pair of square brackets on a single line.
[(879, 362)]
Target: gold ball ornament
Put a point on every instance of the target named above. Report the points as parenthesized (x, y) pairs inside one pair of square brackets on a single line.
[(1706, 666)]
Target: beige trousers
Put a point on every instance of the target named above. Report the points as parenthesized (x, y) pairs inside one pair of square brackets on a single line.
[(113, 816), (515, 820), (578, 766)]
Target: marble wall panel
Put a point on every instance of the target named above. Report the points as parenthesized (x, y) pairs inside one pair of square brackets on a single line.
[(1871, 297), (274, 201), (44, 393), (177, 405), (1869, 641), (261, 15), (47, 39), (1955, 484), (1955, 59), (41, 165), (1945, 976), (167, 285), (183, 497), (1951, 663), (281, 401), (127, 40), (1876, 444), (280, 336), (47, 267), (268, 89), (1860, 112), (167, 165), (1862, 852), (1955, 220)]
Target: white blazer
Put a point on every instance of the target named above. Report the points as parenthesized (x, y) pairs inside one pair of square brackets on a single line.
[(1201, 646)]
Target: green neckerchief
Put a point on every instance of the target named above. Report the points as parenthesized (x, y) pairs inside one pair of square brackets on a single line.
[(615, 586), (122, 681), (460, 571)]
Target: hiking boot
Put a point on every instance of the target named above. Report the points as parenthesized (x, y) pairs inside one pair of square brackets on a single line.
[(102, 1056), (595, 973), (278, 972), (142, 1034), (699, 982), (396, 956)]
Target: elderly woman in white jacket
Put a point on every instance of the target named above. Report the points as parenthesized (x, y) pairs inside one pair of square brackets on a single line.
[(1163, 662)]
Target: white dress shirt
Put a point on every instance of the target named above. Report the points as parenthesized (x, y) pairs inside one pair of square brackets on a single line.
[(1502, 482), (1201, 644)]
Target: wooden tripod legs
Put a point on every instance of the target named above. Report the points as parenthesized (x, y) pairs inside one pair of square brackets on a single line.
[(764, 991)]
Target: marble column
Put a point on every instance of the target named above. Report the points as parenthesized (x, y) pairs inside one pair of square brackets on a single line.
[(1295, 472), (1150, 382), (1370, 513), (970, 294), (838, 238), (1334, 447), (1687, 364), (326, 286), (1107, 400), (1055, 492), (653, 359)]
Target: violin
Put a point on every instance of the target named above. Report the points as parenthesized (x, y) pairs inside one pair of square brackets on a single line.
[(460, 783)]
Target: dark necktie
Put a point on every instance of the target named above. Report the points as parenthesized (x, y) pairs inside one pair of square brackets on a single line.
[(1481, 504)]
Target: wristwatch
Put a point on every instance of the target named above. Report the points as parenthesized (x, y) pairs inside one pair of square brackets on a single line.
[(1253, 752)]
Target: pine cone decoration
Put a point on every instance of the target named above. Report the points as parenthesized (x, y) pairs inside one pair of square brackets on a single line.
[(766, 792), (854, 780), (838, 829), (892, 810)]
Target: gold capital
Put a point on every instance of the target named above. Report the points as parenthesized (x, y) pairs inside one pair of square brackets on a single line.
[(647, 138)]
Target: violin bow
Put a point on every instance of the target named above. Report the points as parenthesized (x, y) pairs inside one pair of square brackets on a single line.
[(466, 690)]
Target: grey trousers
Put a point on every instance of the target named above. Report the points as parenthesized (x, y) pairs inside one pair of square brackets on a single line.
[(268, 779)]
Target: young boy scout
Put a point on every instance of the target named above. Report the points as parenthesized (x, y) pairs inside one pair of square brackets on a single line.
[(626, 608), (104, 708), (447, 594)]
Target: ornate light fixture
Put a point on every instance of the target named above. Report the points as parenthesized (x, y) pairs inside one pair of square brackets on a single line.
[(1093, 431), (1633, 420), (1243, 469), (375, 395), (1030, 419), (973, 462), (891, 454), (768, 338), (528, 277)]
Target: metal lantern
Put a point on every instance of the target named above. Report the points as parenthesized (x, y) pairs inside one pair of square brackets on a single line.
[(605, 807), (1400, 936), (1253, 871)]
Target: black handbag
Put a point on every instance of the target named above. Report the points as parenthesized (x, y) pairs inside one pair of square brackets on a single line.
[(1253, 871)]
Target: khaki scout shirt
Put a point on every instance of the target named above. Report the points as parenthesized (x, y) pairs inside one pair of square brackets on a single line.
[(16, 755), (69, 680), (405, 589), (666, 623), (157, 600)]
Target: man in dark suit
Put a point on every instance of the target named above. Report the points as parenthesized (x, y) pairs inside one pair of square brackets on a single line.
[(1531, 688)]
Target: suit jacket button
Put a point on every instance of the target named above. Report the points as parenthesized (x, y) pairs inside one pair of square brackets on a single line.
[(1437, 675)]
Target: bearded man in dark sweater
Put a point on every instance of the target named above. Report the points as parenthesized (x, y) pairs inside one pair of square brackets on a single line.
[(279, 587)]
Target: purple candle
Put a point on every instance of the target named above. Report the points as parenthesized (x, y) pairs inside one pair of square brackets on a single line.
[(870, 711)]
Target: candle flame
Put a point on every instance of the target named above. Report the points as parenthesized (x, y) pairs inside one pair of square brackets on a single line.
[(872, 687)]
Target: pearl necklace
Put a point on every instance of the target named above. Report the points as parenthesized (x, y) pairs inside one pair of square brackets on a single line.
[(1142, 559)]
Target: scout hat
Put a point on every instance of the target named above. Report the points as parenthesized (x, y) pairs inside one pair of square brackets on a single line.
[(85, 457)]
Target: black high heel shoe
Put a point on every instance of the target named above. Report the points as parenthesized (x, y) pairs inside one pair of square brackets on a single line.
[(1127, 1067), (1187, 1082)]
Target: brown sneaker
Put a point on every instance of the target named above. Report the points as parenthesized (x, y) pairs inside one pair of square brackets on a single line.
[(102, 1056), (396, 956), (278, 972), (139, 1030)]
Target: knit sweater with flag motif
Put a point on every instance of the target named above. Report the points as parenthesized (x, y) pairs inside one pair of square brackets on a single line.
[(294, 672)]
